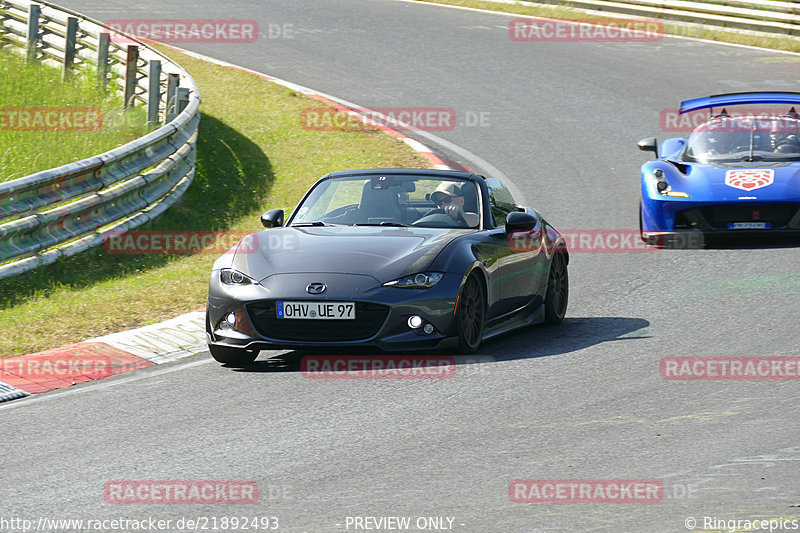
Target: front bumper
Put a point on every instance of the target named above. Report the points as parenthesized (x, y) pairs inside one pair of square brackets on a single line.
[(689, 239), (696, 223), (693, 239), (382, 313)]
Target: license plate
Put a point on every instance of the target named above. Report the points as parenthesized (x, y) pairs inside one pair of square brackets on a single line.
[(317, 310), (749, 225)]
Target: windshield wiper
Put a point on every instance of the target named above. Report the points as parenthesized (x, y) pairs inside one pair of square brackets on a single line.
[(315, 223), (384, 223)]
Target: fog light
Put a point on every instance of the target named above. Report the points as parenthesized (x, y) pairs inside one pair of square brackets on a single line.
[(414, 321), (428, 329), (231, 319)]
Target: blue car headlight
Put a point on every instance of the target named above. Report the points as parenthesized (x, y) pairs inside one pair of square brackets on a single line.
[(664, 188), (422, 280), (229, 276)]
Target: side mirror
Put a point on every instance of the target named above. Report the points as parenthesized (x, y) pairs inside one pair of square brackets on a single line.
[(519, 221), (649, 145), (272, 218)]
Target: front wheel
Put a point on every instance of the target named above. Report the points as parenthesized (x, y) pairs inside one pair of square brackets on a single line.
[(232, 356), (470, 315), (555, 301)]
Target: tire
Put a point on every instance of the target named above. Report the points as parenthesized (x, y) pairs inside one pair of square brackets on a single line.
[(557, 297), (232, 356), (471, 315)]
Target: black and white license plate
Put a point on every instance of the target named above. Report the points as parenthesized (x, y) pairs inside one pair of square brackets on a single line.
[(749, 225), (317, 310)]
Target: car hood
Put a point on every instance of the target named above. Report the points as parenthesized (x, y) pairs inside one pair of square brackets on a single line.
[(384, 253), (707, 183)]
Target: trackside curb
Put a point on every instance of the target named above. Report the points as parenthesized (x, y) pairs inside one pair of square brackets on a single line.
[(155, 344), (103, 357)]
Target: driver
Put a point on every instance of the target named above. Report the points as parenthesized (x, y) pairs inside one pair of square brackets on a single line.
[(783, 135), (449, 198)]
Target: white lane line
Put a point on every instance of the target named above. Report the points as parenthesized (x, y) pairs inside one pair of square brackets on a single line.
[(518, 15), (415, 144), (102, 384)]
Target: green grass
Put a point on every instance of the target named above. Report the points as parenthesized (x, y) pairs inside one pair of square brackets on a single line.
[(26, 86), (670, 28), (252, 154)]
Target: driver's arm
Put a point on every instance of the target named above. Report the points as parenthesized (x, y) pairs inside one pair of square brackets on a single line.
[(472, 219), (457, 213)]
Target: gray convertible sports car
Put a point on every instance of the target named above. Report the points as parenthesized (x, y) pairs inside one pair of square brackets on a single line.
[(396, 259)]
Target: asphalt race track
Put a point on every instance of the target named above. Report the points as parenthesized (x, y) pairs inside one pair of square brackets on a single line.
[(581, 401)]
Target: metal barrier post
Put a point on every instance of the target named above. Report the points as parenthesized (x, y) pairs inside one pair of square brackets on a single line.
[(33, 31), (154, 91), (102, 59), (69, 46), (183, 98), (131, 62), (173, 80)]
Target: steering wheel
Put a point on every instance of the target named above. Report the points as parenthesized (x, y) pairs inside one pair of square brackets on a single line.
[(439, 211), (788, 146)]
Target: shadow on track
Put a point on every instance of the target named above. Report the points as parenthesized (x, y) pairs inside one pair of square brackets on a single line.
[(572, 335)]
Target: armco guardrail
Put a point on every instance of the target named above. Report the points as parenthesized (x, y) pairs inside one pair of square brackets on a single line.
[(767, 17), (65, 210)]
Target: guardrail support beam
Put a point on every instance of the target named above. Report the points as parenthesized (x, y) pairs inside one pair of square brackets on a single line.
[(131, 61), (154, 91), (173, 80), (34, 13), (102, 59), (183, 99), (69, 46)]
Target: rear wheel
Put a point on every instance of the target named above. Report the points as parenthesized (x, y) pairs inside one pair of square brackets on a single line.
[(555, 301), (232, 356), (471, 315)]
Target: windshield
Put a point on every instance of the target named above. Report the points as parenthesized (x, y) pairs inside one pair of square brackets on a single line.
[(752, 138), (391, 200)]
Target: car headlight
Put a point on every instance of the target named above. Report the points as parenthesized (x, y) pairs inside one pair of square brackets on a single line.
[(660, 180), (663, 187), (422, 280), (229, 276)]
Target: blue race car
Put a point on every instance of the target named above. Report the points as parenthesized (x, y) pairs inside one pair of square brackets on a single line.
[(736, 174)]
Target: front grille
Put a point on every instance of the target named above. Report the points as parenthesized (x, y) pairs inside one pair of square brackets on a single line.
[(719, 216), (369, 319)]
